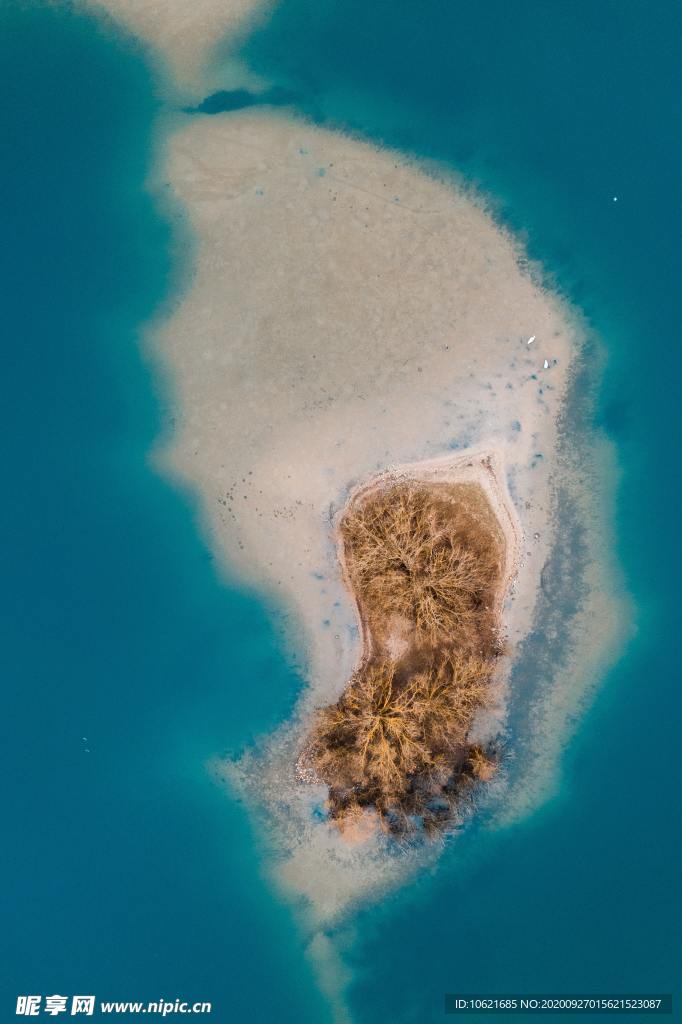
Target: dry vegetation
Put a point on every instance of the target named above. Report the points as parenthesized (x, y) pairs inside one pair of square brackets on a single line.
[(423, 557)]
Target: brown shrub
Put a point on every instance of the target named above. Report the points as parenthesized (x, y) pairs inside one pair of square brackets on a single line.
[(481, 765), (396, 740), (371, 735), (395, 747), (410, 555), (447, 694)]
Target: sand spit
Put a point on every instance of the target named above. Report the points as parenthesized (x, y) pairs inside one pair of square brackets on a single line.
[(323, 871), (348, 313), (183, 32)]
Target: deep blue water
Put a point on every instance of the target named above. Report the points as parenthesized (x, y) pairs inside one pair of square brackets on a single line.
[(126, 873)]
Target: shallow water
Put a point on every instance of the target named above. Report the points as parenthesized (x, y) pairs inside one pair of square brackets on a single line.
[(134, 877)]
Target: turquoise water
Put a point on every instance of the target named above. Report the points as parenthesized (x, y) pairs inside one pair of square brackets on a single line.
[(126, 874), (130, 875)]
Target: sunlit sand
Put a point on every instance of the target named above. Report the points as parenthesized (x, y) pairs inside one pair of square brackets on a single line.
[(351, 313), (348, 314), (184, 33)]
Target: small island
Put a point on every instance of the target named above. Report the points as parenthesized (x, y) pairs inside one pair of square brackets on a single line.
[(425, 561)]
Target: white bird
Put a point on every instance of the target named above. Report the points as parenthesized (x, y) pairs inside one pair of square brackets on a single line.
[(546, 365), (530, 340)]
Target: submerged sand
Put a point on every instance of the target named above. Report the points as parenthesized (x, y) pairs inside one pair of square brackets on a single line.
[(183, 33), (350, 314)]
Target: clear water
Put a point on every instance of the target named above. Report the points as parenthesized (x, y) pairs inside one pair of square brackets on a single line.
[(130, 875), (126, 873)]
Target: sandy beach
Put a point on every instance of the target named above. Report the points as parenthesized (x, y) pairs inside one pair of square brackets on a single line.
[(349, 314)]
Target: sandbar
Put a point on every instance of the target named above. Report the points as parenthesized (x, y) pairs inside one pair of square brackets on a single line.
[(350, 313)]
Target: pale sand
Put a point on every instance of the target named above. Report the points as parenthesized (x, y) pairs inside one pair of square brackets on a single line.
[(349, 313), (338, 325), (184, 33)]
